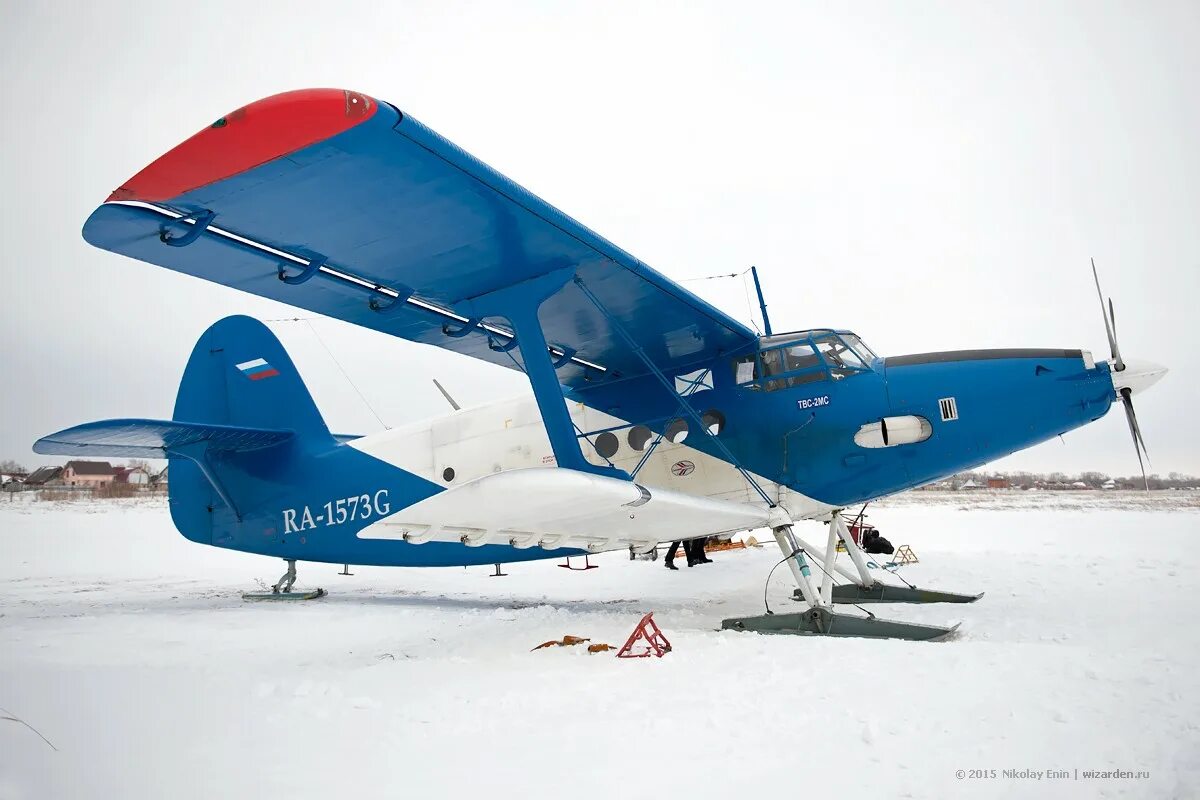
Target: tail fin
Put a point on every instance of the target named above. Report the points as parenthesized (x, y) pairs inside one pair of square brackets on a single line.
[(239, 374), (240, 415)]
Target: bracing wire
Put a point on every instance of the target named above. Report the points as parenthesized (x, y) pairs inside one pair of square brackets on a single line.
[(767, 583), (745, 287), (749, 304), (714, 277), (308, 321), (814, 563)]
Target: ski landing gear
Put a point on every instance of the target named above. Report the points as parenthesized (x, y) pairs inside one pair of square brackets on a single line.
[(863, 588), (282, 590), (819, 619), (885, 593)]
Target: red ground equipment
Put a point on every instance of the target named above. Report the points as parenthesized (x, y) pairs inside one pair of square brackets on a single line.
[(648, 640)]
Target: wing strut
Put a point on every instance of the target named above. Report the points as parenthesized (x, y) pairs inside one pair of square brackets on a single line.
[(687, 407), (519, 304)]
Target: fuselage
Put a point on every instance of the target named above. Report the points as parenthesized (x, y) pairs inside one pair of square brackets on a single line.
[(831, 437), (813, 419)]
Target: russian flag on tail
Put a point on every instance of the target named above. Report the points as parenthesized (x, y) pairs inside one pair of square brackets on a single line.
[(257, 369)]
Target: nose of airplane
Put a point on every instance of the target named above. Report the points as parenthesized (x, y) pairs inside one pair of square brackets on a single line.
[(1137, 376)]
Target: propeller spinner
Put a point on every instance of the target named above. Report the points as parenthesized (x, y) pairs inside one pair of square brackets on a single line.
[(1128, 377)]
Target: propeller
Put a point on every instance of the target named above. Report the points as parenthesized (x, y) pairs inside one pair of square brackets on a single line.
[(1110, 324), (1118, 365)]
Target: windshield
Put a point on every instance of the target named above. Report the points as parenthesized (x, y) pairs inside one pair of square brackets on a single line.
[(841, 359), (859, 346)]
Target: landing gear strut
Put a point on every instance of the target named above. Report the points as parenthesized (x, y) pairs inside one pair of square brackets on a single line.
[(285, 583), (862, 586), (819, 618), (282, 590)]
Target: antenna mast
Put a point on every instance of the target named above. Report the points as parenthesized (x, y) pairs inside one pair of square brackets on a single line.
[(446, 395), (762, 304)]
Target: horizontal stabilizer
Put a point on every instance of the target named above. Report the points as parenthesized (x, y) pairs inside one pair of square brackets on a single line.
[(154, 438)]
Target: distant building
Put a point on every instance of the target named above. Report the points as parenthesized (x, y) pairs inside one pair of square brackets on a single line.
[(135, 476), (970, 484), (998, 483), (45, 476), (88, 473)]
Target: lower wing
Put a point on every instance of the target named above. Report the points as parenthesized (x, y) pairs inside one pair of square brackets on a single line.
[(554, 508)]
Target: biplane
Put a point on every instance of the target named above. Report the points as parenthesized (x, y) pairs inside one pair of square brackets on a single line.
[(654, 416)]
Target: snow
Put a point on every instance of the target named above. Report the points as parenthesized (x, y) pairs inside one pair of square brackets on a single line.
[(130, 649)]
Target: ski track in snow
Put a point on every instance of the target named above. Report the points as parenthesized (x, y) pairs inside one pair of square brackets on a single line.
[(130, 649)]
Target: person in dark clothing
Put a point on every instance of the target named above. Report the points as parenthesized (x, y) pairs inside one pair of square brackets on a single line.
[(692, 548), (873, 543)]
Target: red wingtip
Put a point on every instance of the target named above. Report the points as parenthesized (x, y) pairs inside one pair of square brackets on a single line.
[(250, 136)]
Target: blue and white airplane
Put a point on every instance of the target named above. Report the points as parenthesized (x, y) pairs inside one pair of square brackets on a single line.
[(654, 415)]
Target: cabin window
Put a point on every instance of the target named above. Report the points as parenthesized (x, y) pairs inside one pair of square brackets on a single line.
[(676, 431), (607, 444), (713, 421), (638, 437), (799, 357), (784, 367), (744, 369)]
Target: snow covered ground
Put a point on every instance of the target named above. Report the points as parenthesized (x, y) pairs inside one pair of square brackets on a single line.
[(129, 649)]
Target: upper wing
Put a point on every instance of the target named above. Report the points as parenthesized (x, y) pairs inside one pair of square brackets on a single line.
[(388, 207)]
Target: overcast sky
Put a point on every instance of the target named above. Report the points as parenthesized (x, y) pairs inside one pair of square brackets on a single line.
[(932, 175)]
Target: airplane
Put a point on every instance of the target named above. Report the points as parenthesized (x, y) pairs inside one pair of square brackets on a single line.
[(654, 417)]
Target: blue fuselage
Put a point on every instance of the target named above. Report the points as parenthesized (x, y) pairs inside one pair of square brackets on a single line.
[(803, 436)]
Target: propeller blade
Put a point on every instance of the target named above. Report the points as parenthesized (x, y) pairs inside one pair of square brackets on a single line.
[(1109, 323), (1139, 444)]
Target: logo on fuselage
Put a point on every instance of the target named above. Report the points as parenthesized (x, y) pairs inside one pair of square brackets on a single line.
[(682, 468)]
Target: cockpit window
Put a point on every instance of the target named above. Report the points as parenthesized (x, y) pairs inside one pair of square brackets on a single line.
[(859, 346), (781, 367), (787, 360), (841, 359)]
